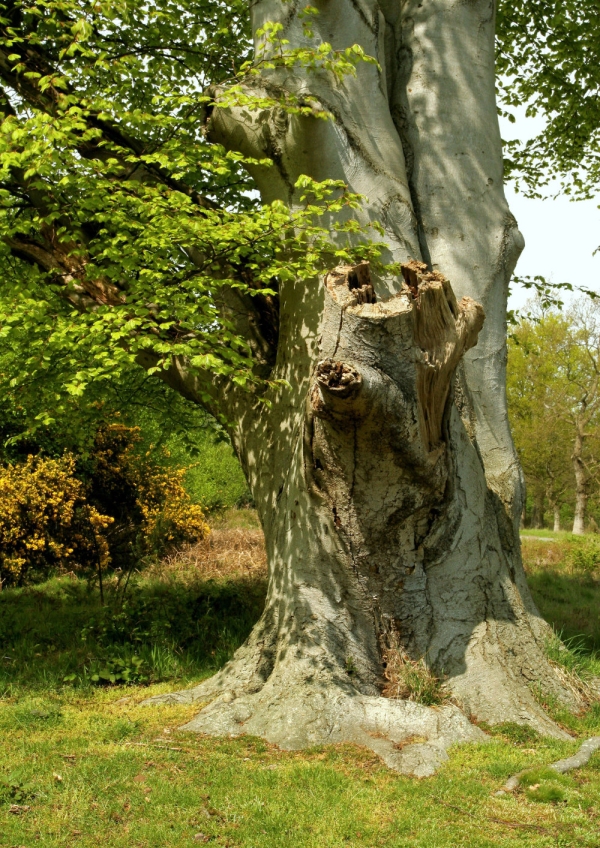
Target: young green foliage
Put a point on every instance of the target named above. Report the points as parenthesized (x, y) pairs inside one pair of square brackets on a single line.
[(122, 223)]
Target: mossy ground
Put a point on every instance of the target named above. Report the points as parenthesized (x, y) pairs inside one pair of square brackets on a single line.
[(84, 765)]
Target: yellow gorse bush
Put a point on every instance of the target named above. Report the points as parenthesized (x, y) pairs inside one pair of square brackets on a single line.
[(45, 520), (169, 517), (125, 508), (148, 498)]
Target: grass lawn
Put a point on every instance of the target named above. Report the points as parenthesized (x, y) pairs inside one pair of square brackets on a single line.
[(546, 533), (83, 764), (564, 576)]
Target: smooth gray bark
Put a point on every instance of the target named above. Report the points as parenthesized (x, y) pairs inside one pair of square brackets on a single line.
[(386, 479)]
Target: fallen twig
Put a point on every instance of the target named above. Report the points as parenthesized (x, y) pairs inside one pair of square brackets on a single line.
[(157, 745)]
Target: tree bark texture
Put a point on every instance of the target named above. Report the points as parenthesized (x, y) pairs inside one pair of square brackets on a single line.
[(385, 477)]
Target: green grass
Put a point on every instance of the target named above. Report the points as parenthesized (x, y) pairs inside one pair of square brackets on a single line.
[(85, 765), (546, 533), (100, 770), (234, 519), (162, 630), (564, 578)]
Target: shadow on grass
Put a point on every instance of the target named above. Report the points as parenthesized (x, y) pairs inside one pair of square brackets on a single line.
[(570, 603), (163, 630)]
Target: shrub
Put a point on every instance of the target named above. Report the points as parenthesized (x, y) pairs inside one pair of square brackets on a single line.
[(584, 554), (116, 670), (113, 508), (45, 520), (151, 510)]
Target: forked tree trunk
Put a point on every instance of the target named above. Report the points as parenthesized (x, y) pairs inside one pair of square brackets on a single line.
[(385, 476)]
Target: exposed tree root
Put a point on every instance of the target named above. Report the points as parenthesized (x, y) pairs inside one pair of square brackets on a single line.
[(409, 737), (578, 760)]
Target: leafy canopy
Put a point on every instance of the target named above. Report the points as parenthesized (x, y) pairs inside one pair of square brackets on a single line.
[(548, 61), (121, 223)]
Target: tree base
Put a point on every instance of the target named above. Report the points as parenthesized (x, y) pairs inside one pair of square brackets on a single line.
[(385, 534), (408, 737), (296, 710)]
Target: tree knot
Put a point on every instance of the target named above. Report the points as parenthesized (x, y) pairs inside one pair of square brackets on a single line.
[(336, 385), (338, 377)]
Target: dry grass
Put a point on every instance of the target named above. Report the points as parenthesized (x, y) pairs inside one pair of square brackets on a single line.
[(408, 679), (540, 555), (234, 548)]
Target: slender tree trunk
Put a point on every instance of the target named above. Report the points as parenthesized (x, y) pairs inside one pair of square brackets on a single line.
[(553, 494), (581, 494), (385, 476), (537, 515), (556, 511)]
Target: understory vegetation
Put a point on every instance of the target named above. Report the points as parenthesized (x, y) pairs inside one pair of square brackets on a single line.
[(113, 507), (564, 577), (82, 761), (121, 494), (178, 618)]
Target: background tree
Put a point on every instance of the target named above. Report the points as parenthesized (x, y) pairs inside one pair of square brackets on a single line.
[(547, 62), (580, 360), (554, 403), (542, 436), (378, 454)]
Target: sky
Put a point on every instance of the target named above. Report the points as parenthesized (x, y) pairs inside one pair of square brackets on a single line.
[(560, 235)]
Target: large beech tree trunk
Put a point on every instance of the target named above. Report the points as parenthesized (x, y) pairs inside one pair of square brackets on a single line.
[(385, 476)]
